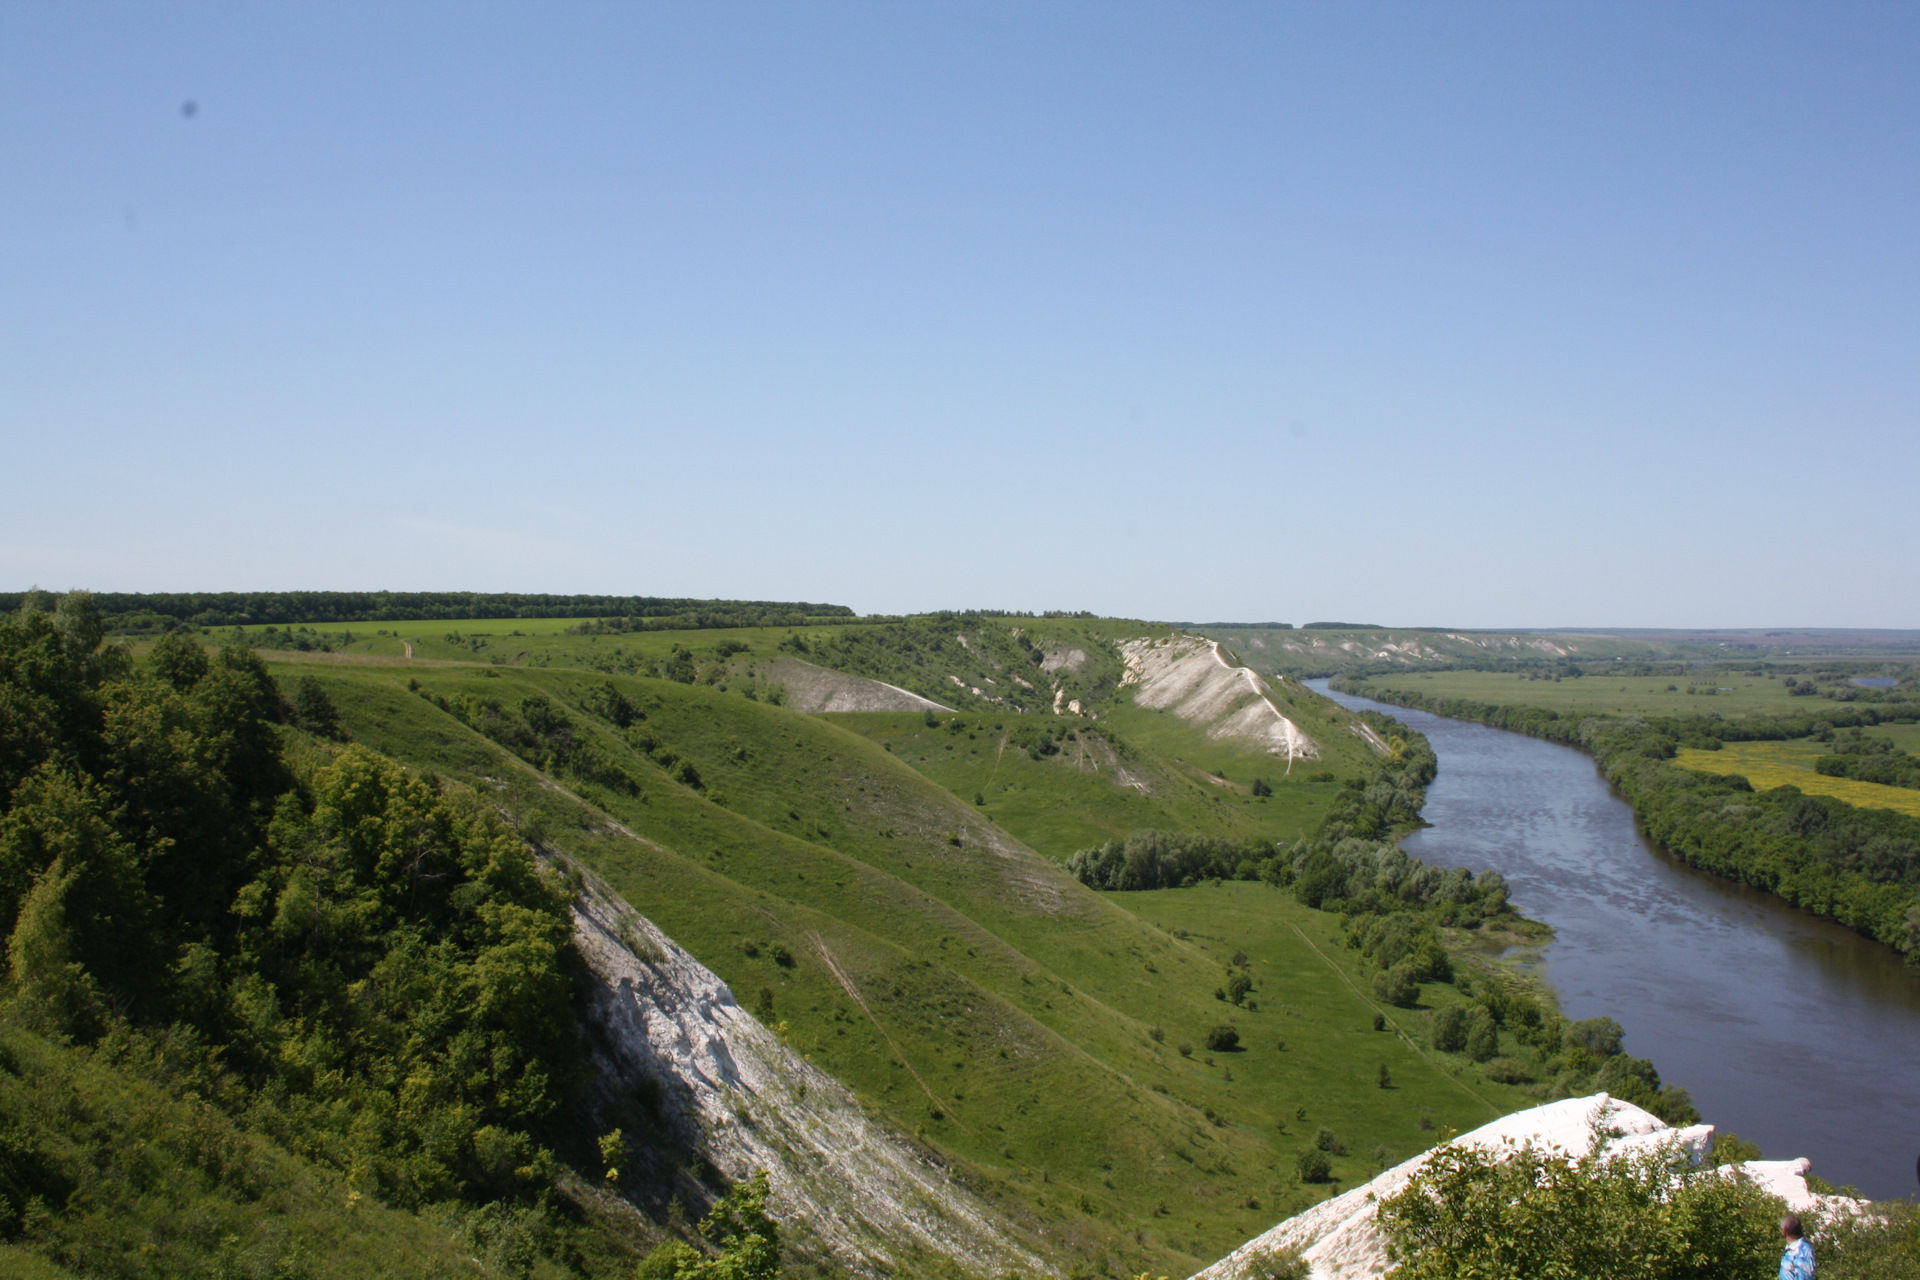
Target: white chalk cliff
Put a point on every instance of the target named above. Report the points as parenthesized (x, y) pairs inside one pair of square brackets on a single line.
[(1190, 677), (745, 1101)]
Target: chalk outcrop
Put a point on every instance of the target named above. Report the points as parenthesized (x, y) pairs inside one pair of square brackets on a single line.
[(667, 1027), (1190, 677), (815, 689), (1341, 1238)]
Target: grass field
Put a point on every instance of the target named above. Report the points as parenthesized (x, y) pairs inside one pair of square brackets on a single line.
[(1012, 1010), (1730, 695), (1790, 764)]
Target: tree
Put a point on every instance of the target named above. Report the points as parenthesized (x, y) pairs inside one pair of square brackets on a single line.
[(1224, 1038), (1483, 1036), (1397, 987), (314, 711), (1450, 1028)]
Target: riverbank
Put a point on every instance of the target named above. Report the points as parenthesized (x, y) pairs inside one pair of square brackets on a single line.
[(1789, 1030), (1817, 853)]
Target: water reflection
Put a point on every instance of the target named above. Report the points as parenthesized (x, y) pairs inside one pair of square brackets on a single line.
[(1790, 1031)]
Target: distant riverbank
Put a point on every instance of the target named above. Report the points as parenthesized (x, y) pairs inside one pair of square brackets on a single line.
[(1789, 1030)]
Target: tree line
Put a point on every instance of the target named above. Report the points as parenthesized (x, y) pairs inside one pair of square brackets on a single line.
[(153, 611)]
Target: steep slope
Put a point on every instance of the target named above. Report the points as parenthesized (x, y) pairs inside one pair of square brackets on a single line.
[(667, 1026)]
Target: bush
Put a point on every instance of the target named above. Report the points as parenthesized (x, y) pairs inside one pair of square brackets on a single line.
[(1508, 1071), (1314, 1166), (1325, 1139), (1483, 1037), (1397, 987), (1530, 1212), (1224, 1038), (1881, 1245), (1450, 1029)]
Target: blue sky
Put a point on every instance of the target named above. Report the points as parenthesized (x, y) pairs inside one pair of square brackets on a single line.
[(1470, 315)]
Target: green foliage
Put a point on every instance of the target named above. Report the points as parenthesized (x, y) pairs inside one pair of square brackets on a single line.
[(1165, 859), (1313, 1165), (745, 1242), (313, 710), (1223, 1038), (365, 967), (1523, 1213), (1883, 1244)]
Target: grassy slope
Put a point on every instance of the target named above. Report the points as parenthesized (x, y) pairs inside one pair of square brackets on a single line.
[(1003, 1010), (1097, 786), (1790, 764)]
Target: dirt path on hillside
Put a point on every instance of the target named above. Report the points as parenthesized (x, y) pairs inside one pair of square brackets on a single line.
[(408, 646), (853, 994)]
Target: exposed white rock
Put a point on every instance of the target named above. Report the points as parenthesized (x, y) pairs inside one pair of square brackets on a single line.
[(815, 689), (745, 1101), (1190, 677), (1341, 1240)]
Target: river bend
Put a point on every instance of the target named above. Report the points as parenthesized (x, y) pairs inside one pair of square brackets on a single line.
[(1789, 1030)]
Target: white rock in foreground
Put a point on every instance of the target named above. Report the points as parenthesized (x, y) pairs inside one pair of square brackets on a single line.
[(745, 1101), (1342, 1241)]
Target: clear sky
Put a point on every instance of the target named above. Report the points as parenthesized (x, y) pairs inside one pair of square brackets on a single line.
[(1471, 315)]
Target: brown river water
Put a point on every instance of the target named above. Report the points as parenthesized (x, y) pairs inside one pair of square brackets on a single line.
[(1788, 1030)]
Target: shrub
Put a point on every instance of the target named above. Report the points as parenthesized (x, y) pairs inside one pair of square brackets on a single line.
[(1397, 987), (1483, 1037), (1386, 1077), (1508, 1071), (1314, 1166), (1224, 1038), (1325, 1139), (1525, 1211), (1450, 1029), (1274, 1264)]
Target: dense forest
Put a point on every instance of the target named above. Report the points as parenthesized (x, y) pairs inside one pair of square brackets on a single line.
[(1860, 867)]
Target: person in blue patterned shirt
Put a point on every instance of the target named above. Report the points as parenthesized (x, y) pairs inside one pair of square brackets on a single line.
[(1797, 1262)]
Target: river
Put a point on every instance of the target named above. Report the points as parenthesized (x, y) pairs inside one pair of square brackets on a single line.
[(1788, 1030)]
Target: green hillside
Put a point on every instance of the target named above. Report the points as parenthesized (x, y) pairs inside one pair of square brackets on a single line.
[(921, 930), (886, 890)]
